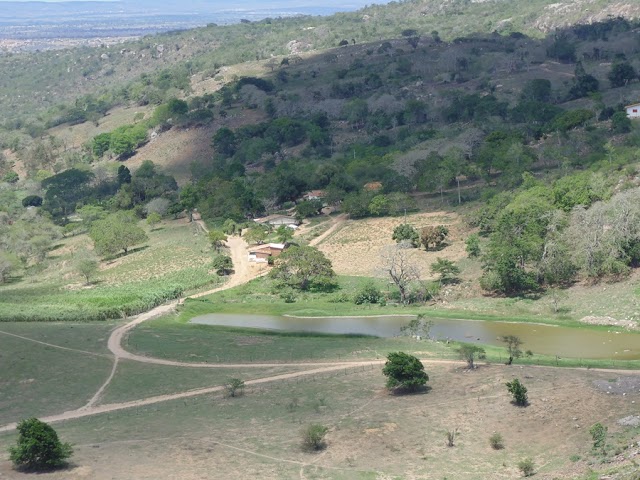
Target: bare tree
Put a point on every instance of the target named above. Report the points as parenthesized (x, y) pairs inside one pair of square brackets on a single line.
[(402, 272)]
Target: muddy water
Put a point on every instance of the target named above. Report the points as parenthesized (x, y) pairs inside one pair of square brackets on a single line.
[(541, 339)]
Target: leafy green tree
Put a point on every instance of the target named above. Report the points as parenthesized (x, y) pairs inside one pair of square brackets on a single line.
[(256, 234), (224, 142), (32, 201), (621, 73), (284, 234), (518, 391), (124, 175), (153, 219), (404, 371), (65, 190), (38, 447), (9, 262), (86, 264), (313, 437), (91, 213), (469, 352), (304, 268), (538, 89), (230, 227), (473, 245), (217, 239), (620, 123), (222, 264), (405, 232), (379, 205), (513, 346), (308, 208), (118, 231), (100, 144), (447, 270), (189, 197)]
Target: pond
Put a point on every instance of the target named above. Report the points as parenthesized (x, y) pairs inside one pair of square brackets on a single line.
[(540, 339)]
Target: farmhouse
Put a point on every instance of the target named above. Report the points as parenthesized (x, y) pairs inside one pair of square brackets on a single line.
[(277, 220), (261, 253), (314, 195), (633, 110)]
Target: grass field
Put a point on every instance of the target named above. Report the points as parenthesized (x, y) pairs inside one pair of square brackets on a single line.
[(38, 380), (173, 262), (372, 434)]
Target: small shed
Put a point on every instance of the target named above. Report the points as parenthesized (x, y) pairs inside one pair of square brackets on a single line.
[(261, 253), (633, 110)]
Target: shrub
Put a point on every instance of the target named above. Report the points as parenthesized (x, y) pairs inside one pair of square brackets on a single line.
[(313, 437), (234, 387), (473, 245), (518, 391), (38, 447), (404, 371), (527, 467), (32, 201), (496, 441), (407, 233), (598, 433), (369, 293)]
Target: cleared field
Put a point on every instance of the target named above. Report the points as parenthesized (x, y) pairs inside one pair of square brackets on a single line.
[(373, 435), (357, 247), (174, 260), (134, 381), (39, 380)]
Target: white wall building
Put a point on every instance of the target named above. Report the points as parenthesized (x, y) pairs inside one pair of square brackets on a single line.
[(633, 110)]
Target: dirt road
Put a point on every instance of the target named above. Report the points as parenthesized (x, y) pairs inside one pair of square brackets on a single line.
[(337, 223)]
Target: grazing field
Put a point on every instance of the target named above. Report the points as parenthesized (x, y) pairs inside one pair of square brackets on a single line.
[(38, 380), (372, 434)]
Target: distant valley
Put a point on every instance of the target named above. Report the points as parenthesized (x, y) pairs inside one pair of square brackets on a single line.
[(30, 26)]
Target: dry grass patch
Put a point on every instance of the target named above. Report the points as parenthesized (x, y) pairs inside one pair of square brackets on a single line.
[(356, 248)]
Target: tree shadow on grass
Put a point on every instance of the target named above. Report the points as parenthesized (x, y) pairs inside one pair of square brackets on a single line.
[(404, 391)]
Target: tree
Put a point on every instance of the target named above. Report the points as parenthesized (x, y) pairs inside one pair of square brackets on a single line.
[(230, 227), (473, 245), (405, 372), (418, 327), (402, 272), (86, 264), (234, 387), (284, 234), (32, 201), (118, 231), (38, 447), (217, 239), (447, 270), (308, 208), (224, 142), (222, 264), (153, 219), (124, 175), (304, 268), (158, 205), (313, 437), (8, 263), (435, 235), (406, 233), (621, 73), (518, 391), (620, 123), (513, 347), (469, 352), (189, 198), (256, 234)]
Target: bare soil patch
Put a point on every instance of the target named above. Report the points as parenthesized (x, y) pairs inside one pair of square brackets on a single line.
[(356, 247)]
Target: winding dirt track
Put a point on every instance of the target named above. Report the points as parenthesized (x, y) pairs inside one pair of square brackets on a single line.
[(242, 274)]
